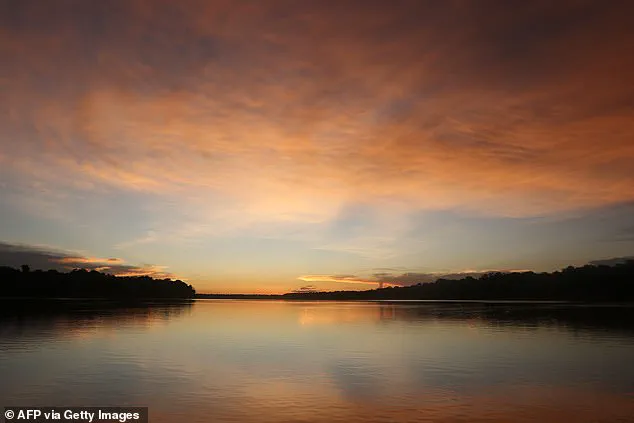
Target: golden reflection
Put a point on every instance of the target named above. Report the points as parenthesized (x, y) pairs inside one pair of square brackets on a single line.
[(320, 315)]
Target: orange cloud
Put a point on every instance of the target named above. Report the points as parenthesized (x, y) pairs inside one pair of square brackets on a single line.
[(244, 118), (334, 278), (343, 279), (88, 260)]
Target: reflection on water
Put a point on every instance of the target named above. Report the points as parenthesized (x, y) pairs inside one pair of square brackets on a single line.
[(248, 361)]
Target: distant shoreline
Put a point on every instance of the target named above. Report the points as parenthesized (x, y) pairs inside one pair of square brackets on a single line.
[(587, 284), (116, 302), (447, 301), (277, 297)]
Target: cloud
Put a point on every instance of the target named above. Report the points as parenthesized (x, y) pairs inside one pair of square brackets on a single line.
[(454, 108), (624, 235), (348, 279), (611, 262), (88, 260), (377, 279), (306, 288), (44, 258)]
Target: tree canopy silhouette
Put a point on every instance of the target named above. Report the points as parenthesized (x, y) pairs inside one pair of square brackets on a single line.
[(81, 283), (587, 283)]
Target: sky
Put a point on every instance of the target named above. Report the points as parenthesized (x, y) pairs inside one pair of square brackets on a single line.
[(266, 146)]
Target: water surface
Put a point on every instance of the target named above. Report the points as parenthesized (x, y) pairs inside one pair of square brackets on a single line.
[(275, 361)]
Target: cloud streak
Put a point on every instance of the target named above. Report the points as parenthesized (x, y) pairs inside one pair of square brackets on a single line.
[(348, 279), (45, 258)]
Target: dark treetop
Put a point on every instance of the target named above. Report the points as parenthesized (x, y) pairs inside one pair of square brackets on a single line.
[(85, 284)]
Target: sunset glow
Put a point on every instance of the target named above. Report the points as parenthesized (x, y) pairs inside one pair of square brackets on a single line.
[(262, 146)]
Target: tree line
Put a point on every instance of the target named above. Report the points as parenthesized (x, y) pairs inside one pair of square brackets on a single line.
[(587, 283), (81, 283)]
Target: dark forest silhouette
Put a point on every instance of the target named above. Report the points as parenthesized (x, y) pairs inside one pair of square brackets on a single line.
[(81, 283), (587, 283)]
